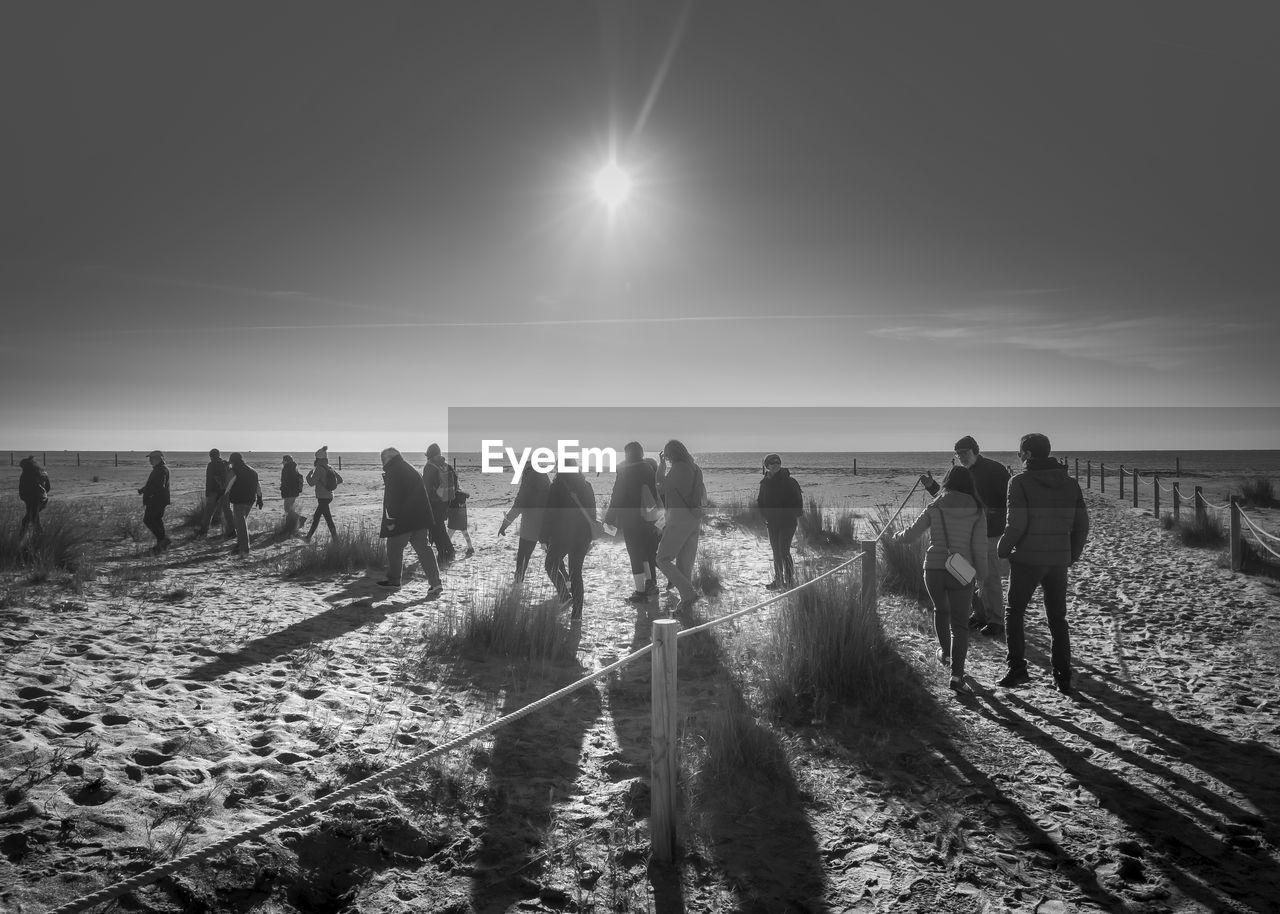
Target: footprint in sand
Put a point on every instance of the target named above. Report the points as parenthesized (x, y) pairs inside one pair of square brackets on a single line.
[(115, 720), (146, 758), (310, 694), (261, 745), (76, 727)]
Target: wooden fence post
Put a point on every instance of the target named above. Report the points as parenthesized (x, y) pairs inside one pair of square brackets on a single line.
[(855, 466), (77, 458), (117, 458), (1135, 487), (1177, 466), (339, 463), (870, 589), (1237, 544), (1102, 478), (1122, 482), (1088, 474), (1177, 504), (1155, 494), (1077, 460), (1198, 500), (663, 746)]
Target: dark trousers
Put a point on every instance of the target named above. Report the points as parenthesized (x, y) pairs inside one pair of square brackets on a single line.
[(153, 520), (576, 553), (218, 501), (440, 533), (950, 614), (1052, 581), (780, 534), (31, 518), (641, 539), (524, 552), (322, 510)]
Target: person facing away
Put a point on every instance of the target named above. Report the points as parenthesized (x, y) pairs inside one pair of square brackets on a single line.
[(957, 524), (243, 491), (530, 508), (216, 475), (683, 495), (457, 516), (567, 531), (635, 477), (781, 504), (991, 484), (291, 483), (325, 479), (1044, 535), (406, 520), (155, 498), (33, 489), (436, 481)]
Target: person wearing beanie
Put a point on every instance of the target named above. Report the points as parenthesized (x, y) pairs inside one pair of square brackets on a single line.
[(1047, 527), (215, 495), (435, 479), (991, 484), (33, 490), (325, 479), (243, 491), (291, 483), (635, 486), (155, 498), (781, 504), (406, 520)]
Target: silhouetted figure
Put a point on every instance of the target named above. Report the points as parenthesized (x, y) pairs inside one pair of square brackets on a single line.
[(406, 518), (216, 475), (155, 498), (530, 506), (436, 481), (243, 491), (991, 485), (291, 483), (33, 489), (457, 518), (567, 531), (957, 525), (1044, 535), (325, 479), (781, 504), (684, 496), (636, 486)]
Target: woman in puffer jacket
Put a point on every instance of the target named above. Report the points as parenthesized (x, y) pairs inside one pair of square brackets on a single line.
[(957, 524)]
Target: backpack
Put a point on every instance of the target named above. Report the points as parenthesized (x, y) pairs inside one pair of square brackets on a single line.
[(334, 479), (448, 484)]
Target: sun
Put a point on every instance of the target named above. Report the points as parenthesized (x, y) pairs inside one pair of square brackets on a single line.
[(612, 185)]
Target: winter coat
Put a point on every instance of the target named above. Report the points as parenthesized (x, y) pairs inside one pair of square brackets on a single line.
[(624, 503), (564, 524), (530, 505), (244, 485), (780, 500), (405, 507), (1048, 522), (681, 488), (324, 478), (991, 481), (155, 493), (33, 483), (290, 481), (955, 524), (215, 477)]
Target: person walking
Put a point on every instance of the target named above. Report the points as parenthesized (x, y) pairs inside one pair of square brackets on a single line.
[(406, 519), (1044, 535), (457, 516), (567, 529), (683, 494), (243, 491), (436, 481), (325, 479), (215, 495), (155, 498), (781, 504), (957, 526), (291, 483), (530, 508), (33, 489), (635, 488), (991, 485)]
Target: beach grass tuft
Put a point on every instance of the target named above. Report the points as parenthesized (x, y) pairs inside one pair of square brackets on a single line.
[(1200, 532), (501, 622), (61, 546), (744, 513), (196, 513), (899, 565), (353, 548), (1259, 493), (708, 577)]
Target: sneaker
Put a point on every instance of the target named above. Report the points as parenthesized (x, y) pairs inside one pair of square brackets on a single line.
[(773, 585), (650, 588), (435, 591), (1062, 684), (470, 552), (307, 538), (992, 629), (1014, 678), (943, 657), (977, 622), (389, 584), (959, 686), (638, 596)]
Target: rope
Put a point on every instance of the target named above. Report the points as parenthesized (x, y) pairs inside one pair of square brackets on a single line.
[(1209, 504), (1256, 531), (148, 876)]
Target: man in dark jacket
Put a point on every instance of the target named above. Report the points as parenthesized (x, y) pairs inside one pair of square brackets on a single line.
[(406, 518), (781, 503), (1045, 534), (991, 482), (435, 480), (33, 489), (567, 530), (626, 509), (155, 498), (215, 494), (243, 491)]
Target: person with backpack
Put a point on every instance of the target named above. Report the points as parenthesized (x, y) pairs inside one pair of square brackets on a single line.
[(325, 479), (215, 495), (406, 519), (683, 494), (635, 489), (781, 503), (243, 490), (957, 525), (33, 489), (291, 483), (155, 498), (436, 481)]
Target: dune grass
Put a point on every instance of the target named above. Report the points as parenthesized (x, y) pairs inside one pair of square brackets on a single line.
[(899, 566), (63, 545), (196, 512), (1203, 532), (1258, 493), (500, 621), (353, 548), (743, 512)]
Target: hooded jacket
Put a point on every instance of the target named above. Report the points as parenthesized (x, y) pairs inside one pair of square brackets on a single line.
[(956, 524), (530, 504), (290, 480), (405, 507), (564, 524), (1048, 523), (215, 477), (624, 503), (33, 483), (155, 493), (780, 500), (991, 482), (320, 476), (244, 484)]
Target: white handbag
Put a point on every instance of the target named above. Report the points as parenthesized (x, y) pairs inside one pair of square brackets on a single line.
[(957, 565)]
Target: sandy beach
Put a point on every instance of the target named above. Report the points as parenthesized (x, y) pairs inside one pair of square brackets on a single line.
[(174, 700)]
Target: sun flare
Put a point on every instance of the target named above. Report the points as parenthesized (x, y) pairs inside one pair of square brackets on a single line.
[(612, 185)]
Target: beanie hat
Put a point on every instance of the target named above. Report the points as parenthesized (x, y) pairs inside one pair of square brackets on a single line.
[(214, 453), (771, 458), (967, 444), (323, 453), (433, 450), (287, 458)]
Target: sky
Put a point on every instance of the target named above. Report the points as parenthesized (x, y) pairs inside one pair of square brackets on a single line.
[(274, 225)]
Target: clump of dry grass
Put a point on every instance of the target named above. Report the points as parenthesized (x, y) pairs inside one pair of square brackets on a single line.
[(196, 512), (501, 622), (1259, 493), (899, 565), (63, 545), (353, 548), (1201, 532), (743, 511), (707, 577)]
